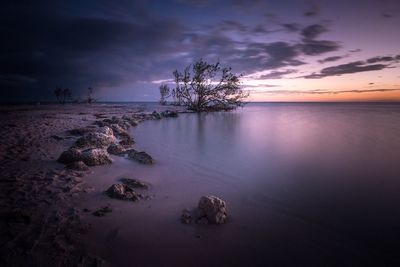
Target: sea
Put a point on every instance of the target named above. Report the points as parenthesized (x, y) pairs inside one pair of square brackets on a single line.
[(306, 184)]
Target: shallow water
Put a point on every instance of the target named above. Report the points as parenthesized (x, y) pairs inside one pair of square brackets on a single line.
[(305, 184)]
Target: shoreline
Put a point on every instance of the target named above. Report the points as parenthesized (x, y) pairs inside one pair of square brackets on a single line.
[(40, 224)]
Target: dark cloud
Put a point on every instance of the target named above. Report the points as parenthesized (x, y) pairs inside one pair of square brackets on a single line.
[(381, 59), (313, 31), (318, 47), (291, 27), (277, 74), (352, 67), (53, 48), (330, 59), (312, 47)]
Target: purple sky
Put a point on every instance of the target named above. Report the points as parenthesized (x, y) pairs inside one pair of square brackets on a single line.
[(287, 50)]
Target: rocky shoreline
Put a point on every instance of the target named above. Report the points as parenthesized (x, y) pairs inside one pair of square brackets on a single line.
[(39, 224)]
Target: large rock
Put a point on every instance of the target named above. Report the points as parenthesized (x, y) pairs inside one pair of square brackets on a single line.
[(69, 156), (122, 191), (95, 156), (116, 149), (96, 139), (213, 208), (134, 183), (140, 156)]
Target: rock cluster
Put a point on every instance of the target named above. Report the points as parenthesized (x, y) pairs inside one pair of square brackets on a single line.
[(107, 136), (210, 209)]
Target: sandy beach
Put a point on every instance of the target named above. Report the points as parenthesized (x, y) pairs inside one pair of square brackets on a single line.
[(40, 223)]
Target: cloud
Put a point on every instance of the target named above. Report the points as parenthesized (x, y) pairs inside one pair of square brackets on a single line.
[(313, 31), (381, 59), (277, 74), (352, 67), (291, 27), (330, 59), (318, 47)]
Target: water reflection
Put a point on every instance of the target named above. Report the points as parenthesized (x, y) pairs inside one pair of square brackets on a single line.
[(324, 167)]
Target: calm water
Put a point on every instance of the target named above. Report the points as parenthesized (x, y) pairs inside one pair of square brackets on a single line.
[(305, 184)]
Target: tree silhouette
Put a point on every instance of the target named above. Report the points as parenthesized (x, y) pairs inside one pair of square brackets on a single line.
[(208, 87)]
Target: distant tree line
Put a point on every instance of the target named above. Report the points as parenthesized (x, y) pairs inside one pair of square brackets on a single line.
[(64, 95), (205, 87)]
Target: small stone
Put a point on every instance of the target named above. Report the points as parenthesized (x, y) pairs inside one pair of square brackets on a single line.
[(121, 191), (156, 115), (186, 217), (141, 157)]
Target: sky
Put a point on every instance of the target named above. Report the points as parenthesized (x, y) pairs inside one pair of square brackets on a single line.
[(298, 50)]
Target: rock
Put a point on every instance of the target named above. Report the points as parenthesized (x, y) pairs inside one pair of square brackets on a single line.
[(213, 208), (130, 120), (134, 183), (117, 129), (124, 192), (125, 139), (116, 149), (141, 157), (169, 113), (95, 139), (156, 115), (78, 166), (69, 156), (186, 217), (94, 156), (105, 130)]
